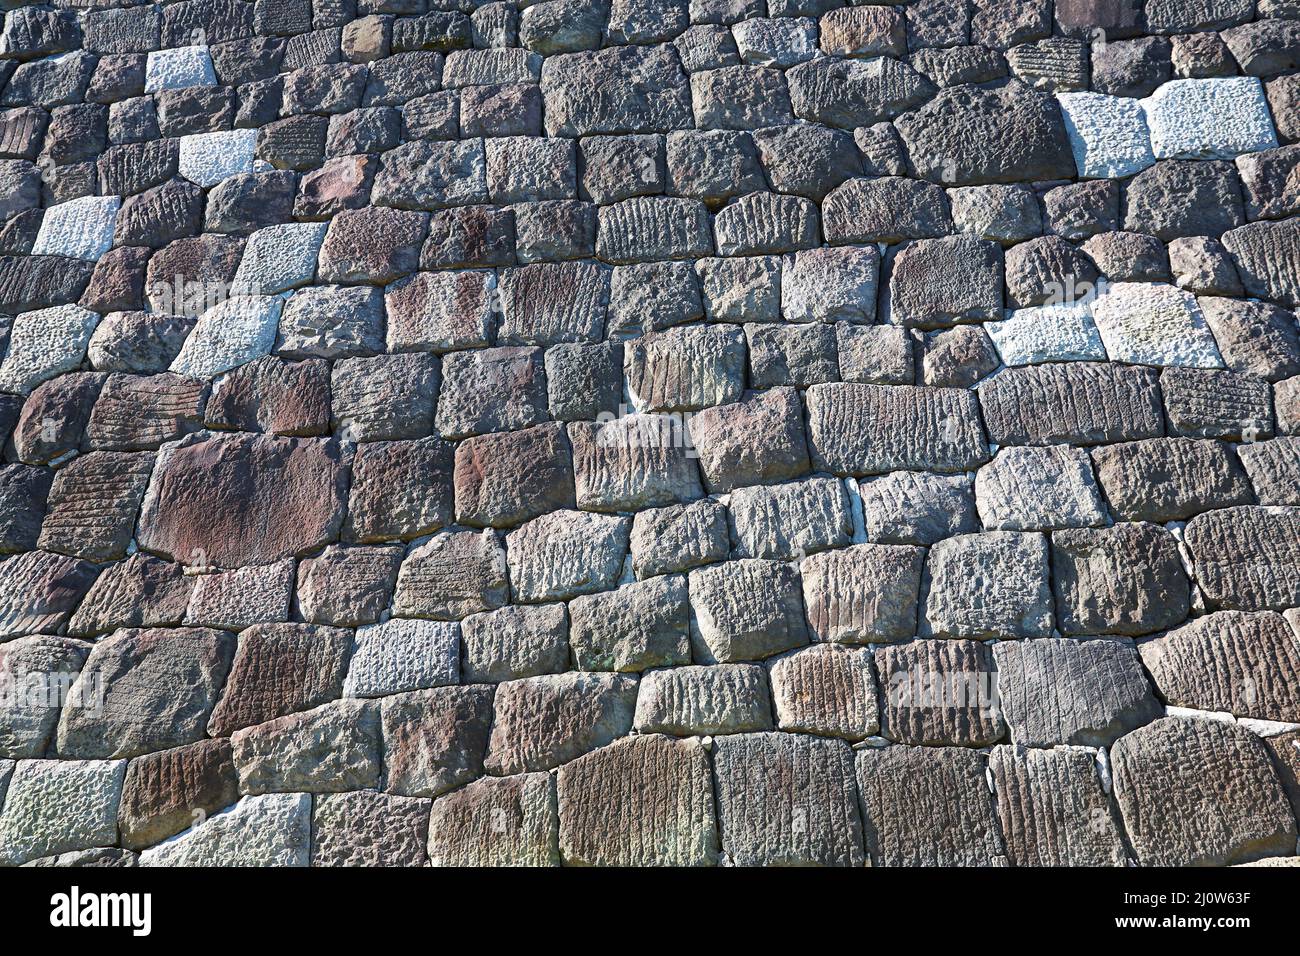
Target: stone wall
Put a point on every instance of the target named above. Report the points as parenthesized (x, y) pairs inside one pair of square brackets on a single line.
[(649, 431)]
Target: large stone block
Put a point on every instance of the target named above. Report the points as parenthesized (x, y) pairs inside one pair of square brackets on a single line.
[(403, 655), (451, 575), (1053, 809), (786, 799), (514, 642), (746, 610), (38, 672), (1081, 403), (939, 693), (268, 830), (989, 585), (144, 690), (1245, 664), (870, 429), (862, 594), (280, 669), (166, 792), (246, 499), (635, 627), (1169, 479), (924, 806), (631, 463), (507, 478), (434, 740), (566, 553), (789, 520), (825, 690), (497, 821), (1246, 558), (1200, 792), (722, 699), (641, 801), (335, 747), (542, 722), (55, 806), (1125, 579), (1072, 692), (365, 828)]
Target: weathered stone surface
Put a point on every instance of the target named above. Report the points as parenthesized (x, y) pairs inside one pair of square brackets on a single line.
[(565, 553), (1234, 662), (762, 223), (43, 344), (280, 669), (79, 229), (240, 500), (39, 590), (1182, 198), (23, 494), (434, 740), (365, 828), (789, 354), (825, 690), (497, 821), (633, 628), (912, 507), (1072, 692), (93, 502), (1053, 809), (989, 585), (141, 591), (850, 93), (1108, 134), (927, 807), (158, 687), (630, 463), (643, 91), (664, 540), (1209, 119), (1199, 792), (331, 322), (758, 440), (661, 786), (1079, 403), (789, 520), (234, 600), (1274, 470), (164, 793), (940, 282), (725, 698), (486, 390), (37, 671), (939, 693), (801, 810), (233, 333), (400, 490), (869, 429), (1245, 557), (1020, 136), (347, 586), (1037, 489), (55, 806), (372, 245), (862, 594), (135, 412), (272, 395), (542, 722), (515, 642), (1264, 253), (402, 655), (267, 830), (745, 610), (1254, 338), (452, 575), (1047, 333), (1125, 579), (1169, 479), (384, 397), (1154, 324), (335, 747)]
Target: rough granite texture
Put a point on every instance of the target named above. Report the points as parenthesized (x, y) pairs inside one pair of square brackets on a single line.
[(649, 432)]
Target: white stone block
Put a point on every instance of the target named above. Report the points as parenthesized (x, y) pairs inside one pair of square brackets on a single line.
[(1047, 333), (403, 655), (178, 68), (1209, 119), (1149, 323), (230, 334), (1108, 134), (269, 830), (45, 343), (56, 806), (208, 158), (280, 257), (80, 228)]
